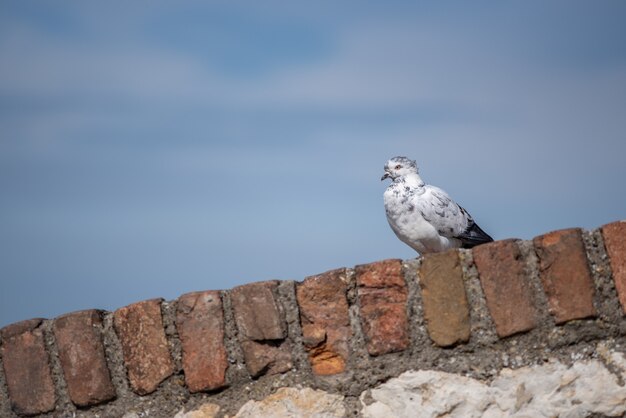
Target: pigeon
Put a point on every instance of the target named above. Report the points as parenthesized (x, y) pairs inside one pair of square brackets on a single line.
[(423, 216)]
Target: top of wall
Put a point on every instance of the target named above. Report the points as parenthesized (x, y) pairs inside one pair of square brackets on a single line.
[(343, 330)]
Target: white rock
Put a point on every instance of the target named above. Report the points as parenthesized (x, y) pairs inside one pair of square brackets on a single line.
[(549, 390), (428, 394), (207, 410), (295, 403)]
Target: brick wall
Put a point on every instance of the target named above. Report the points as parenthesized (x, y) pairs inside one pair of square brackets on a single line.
[(343, 330)]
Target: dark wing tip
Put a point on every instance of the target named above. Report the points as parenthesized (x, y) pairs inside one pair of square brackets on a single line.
[(473, 236)]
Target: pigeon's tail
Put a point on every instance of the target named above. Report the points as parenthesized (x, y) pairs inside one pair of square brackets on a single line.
[(473, 236)]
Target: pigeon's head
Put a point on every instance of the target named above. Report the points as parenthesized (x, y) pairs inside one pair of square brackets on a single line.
[(398, 167)]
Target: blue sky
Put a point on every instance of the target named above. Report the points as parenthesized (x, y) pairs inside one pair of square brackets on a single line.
[(148, 149)]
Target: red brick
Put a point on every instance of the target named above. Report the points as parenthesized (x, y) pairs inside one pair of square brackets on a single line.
[(446, 310), (262, 328), (382, 296), (266, 358), (257, 313), (21, 327), (615, 241), (81, 351), (565, 274), (146, 354), (325, 321), (507, 289), (27, 369), (200, 324)]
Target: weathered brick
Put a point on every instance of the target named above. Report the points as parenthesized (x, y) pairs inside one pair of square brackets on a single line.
[(146, 354), (325, 321), (446, 310), (614, 235), (266, 358), (81, 351), (257, 313), (507, 289), (262, 329), (27, 369), (565, 274), (382, 296), (200, 324)]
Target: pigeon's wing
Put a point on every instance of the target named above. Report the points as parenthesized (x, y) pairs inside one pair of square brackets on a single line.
[(438, 209), (449, 219), (473, 234)]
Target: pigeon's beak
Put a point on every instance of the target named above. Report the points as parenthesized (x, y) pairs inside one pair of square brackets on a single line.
[(385, 176)]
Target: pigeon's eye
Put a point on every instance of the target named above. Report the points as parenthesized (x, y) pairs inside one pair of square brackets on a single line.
[(398, 167)]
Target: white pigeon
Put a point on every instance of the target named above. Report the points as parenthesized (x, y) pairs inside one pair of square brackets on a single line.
[(423, 216)]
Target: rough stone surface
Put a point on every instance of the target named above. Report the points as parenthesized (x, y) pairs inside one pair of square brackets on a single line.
[(325, 321), (257, 312), (508, 291), (207, 410), (266, 358), (550, 390), (565, 274), (81, 352), (382, 298), (295, 403), (614, 235), (146, 354), (26, 367), (262, 328), (200, 324), (443, 294)]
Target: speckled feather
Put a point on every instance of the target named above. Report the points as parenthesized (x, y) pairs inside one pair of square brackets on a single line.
[(424, 216)]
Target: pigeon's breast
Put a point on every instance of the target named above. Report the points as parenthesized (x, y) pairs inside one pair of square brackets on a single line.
[(404, 215)]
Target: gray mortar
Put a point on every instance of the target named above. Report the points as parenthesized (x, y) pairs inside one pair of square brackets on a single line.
[(417, 324), (168, 313), (64, 406), (232, 398), (415, 314), (531, 271), (236, 365), (606, 300), (165, 402), (352, 404), (279, 305), (287, 298), (285, 343), (482, 326), (114, 356), (350, 382)]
